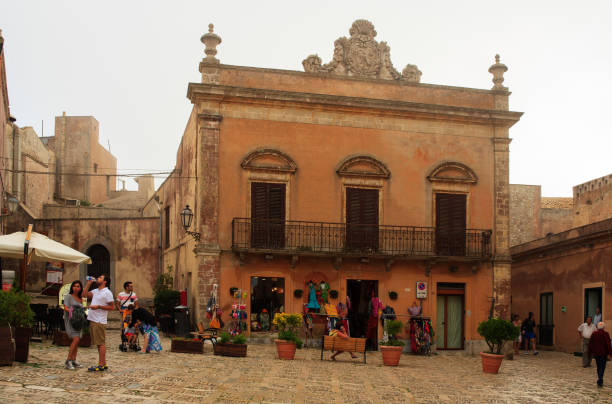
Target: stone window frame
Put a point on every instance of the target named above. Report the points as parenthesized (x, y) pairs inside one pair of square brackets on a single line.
[(374, 179), (591, 285), (451, 185), (281, 174)]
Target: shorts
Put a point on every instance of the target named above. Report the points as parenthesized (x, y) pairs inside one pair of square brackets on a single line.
[(529, 335), (98, 333)]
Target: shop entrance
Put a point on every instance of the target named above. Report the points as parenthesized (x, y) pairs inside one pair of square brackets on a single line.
[(449, 315), (360, 292), (267, 299)]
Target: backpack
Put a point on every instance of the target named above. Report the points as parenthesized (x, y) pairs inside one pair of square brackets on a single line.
[(78, 319)]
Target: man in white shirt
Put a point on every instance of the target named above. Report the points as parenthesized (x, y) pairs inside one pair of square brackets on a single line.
[(585, 330), (101, 304)]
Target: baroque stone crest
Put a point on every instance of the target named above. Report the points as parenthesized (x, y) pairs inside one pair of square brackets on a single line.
[(361, 56)]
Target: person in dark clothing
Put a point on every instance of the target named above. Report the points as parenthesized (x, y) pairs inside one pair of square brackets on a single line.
[(528, 332), (599, 347)]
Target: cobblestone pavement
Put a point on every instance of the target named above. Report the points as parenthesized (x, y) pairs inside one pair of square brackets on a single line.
[(551, 377)]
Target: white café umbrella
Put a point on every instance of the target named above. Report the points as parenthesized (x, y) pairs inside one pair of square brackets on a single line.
[(40, 248)]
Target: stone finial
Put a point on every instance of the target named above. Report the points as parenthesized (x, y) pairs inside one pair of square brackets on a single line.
[(498, 70), (211, 41)]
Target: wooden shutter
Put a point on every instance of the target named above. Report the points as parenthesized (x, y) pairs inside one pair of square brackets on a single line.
[(450, 224), (362, 219), (267, 215)]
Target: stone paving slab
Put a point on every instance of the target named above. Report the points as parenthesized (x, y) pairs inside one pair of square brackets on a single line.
[(550, 377)]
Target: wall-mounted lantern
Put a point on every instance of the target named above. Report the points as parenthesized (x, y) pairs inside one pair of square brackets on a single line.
[(186, 219)]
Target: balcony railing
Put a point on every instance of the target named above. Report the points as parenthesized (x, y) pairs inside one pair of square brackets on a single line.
[(300, 237)]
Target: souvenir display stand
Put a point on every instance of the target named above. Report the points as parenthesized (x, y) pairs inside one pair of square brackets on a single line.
[(239, 313), (421, 334)]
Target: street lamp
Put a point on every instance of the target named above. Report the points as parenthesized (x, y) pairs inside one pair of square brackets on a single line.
[(186, 218), (12, 203)]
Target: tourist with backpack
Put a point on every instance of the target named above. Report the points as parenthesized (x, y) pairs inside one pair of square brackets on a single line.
[(74, 321)]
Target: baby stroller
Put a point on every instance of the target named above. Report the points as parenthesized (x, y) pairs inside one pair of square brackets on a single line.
[(126, 319)]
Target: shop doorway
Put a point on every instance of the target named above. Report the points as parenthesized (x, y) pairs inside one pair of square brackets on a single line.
[(546, 325), (592, 300), (449, 316), (359, 292), (267, 299)]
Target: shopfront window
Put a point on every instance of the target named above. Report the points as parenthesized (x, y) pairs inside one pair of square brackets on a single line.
[(267, 299)]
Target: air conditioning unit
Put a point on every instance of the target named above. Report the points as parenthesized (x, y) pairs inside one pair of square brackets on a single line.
[(73, 202)]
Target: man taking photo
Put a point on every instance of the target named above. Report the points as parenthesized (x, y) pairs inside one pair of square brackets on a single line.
[(101, 304)]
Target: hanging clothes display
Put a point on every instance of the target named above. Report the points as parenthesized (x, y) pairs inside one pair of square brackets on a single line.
[(421, 334), (312, 297)]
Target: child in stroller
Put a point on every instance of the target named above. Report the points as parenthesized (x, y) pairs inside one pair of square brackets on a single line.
[(129, 335)]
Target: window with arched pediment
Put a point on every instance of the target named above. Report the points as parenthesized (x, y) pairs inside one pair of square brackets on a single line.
[(363, 180), (451, 184), (267, 175)]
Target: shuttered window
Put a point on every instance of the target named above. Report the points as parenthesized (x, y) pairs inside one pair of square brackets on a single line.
[(362, 219), (267, 215), (450, 224)]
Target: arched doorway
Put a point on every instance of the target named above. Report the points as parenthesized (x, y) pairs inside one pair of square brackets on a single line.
[(100, 261)]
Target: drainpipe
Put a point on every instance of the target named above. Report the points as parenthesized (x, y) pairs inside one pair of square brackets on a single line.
[(161, 245), (16, 158)]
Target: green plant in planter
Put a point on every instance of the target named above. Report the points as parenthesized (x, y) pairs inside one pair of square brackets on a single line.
[(393, 328), (15, 309), (496, 331), (333, 294), (298, 293), (393, 295), (224, 338), (165, 301), (239, 339), (287, 325)]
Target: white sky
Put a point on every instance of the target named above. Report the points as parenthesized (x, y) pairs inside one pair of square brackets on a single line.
[(128, 63)]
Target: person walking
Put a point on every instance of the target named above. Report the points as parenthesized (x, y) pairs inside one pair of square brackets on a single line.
[(600, 348), (528, 331), (516, 344), (73, 301), (101, 304), (584, 331)]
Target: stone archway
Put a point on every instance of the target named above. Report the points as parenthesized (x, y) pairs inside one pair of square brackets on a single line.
[(96, 245), (100, 258)]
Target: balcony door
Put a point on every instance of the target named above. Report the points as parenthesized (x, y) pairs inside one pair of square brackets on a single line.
[(267, 215), (450, 224), (361, 219)]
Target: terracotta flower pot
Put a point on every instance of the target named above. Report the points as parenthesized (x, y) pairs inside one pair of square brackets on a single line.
[(491, 362), (391, 354), (285, 349)]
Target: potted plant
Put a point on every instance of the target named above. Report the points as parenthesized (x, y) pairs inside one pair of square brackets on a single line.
[(85, 341), (496, 332), (228, 345), (298, 293), (15, 312), (333, 294), (187, 345), (7, 337), (288, 340), (393, 295), (392, 348)]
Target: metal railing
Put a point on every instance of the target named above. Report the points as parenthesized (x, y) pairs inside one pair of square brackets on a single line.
[(305, 237)]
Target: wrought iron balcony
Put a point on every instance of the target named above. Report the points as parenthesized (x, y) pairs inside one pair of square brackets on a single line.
[(341, 239)]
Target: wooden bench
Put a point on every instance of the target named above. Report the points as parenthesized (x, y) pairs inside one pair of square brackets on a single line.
[(206, 334), (343, 344)]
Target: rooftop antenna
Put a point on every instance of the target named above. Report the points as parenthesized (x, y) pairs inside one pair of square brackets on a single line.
[(108, 140), (42, 128)]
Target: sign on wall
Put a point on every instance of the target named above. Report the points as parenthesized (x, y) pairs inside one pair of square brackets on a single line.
[(421, 290)]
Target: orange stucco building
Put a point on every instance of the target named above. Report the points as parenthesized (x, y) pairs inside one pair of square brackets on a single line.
[(352, 173)]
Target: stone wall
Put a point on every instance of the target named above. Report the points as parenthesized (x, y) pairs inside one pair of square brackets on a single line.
[(524, 213), (593, 201)]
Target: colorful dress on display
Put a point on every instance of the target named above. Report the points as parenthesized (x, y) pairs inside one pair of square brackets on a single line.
[(312, 298), (324, 287), (375, 307)]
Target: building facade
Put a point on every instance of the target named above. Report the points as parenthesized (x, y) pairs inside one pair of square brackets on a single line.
[(350, 173), (561, 259)]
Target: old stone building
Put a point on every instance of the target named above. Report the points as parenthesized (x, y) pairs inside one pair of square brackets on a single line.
[(562, 249), (5, 124), (350, 173), (66, 188)]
